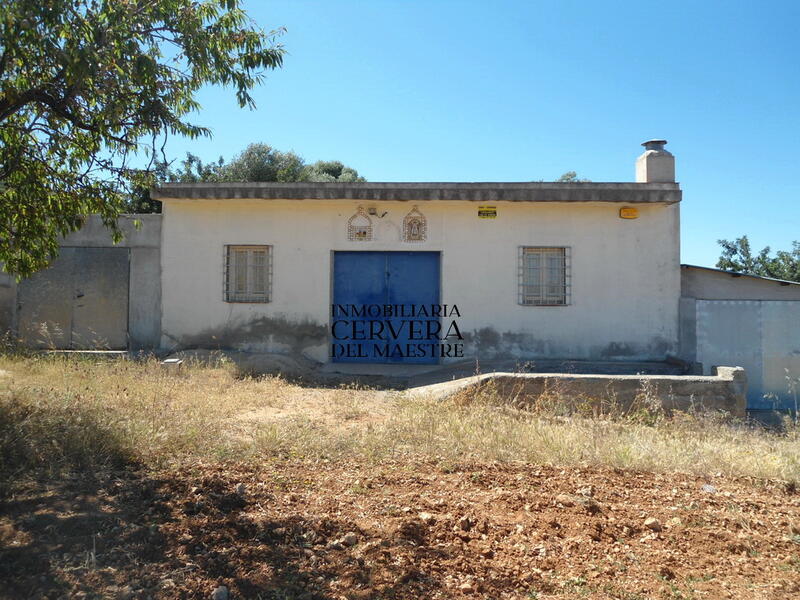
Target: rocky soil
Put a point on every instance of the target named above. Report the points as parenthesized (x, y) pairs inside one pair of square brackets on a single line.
[(294, 529)]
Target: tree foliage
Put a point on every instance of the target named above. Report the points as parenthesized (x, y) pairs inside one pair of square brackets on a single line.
[(737, 256), (571, 177), (88, 85), (257, 162), (330, 170), (262, 162)]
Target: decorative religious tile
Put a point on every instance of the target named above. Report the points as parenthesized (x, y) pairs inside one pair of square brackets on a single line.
[(415, 226), (359, 226)]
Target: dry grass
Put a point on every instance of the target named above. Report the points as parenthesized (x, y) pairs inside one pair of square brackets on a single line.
[(59, 414)]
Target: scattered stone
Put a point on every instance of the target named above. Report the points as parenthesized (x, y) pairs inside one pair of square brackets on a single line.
[(708, 488), (466, 588), (349, 539), (427, 518), (221, 593), (487, 553), (653, 524), (666, 573), (565, 499), (674, 522), (590, 504)]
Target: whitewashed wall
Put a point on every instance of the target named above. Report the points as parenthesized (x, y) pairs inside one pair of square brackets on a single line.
[(625, 274)]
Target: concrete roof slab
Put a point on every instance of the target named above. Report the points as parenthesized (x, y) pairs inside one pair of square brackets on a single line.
[(624, 193)]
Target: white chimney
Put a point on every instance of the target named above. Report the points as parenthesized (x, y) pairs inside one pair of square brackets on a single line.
[(655, 165)]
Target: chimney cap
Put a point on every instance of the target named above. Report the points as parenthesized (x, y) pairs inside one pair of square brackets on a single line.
[(654, 144)]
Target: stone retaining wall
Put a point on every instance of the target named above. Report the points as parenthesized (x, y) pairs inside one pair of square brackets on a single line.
[(725, 390)]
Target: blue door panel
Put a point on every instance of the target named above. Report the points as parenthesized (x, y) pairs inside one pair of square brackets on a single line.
[(413, 281), (359, 279), (402, 280)]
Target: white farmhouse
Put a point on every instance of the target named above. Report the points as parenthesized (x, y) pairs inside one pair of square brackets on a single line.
[(426, 272)]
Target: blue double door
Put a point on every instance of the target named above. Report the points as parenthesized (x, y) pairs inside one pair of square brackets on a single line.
[(383, 307)]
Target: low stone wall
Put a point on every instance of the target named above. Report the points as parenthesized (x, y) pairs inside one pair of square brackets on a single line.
[(725, 390)]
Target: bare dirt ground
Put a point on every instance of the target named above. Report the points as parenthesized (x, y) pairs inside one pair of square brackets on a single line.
[(121, 481), (331, 531)]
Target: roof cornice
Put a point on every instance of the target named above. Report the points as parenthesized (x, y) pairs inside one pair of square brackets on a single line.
[(625, 193)]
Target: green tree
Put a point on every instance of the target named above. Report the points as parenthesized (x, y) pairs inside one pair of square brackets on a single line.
[(332, 170), (571, 177), (257, 162), (737, 256), (87, 86), (261, 162)]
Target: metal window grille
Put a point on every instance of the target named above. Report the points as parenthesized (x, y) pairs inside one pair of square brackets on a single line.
[(248, 274), (544, 276)]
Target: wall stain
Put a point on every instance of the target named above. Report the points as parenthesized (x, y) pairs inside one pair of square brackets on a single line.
[(661, 346), (657, 348), (618, 349), (487, 337), (487, 342), (261, 331)]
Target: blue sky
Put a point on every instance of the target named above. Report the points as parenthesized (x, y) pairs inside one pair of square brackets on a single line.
[(522, 91)]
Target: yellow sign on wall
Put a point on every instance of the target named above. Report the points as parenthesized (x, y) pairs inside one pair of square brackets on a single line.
[(487, 212), (628, 212)]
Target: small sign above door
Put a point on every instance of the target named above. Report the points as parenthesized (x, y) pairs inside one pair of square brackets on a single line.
[(487, 212)]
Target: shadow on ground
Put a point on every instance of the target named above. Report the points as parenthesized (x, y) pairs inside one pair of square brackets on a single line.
[(79, 518), (124, 534)]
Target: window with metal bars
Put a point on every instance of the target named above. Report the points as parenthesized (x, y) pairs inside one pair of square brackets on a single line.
[(248, 273), (544, 276)]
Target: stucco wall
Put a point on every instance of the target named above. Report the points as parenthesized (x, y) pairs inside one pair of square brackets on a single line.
[(625, 275), (746, 321), (763, 337)]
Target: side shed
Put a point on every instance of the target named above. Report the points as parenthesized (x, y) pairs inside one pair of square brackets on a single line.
[(96, 294), (753, 322)]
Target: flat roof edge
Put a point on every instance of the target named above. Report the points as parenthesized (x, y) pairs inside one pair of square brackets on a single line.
[(629, 193), (737, 274)]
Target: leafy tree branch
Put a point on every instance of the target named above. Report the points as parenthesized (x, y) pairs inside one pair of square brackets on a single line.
[(87, 86), (737, 256)]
